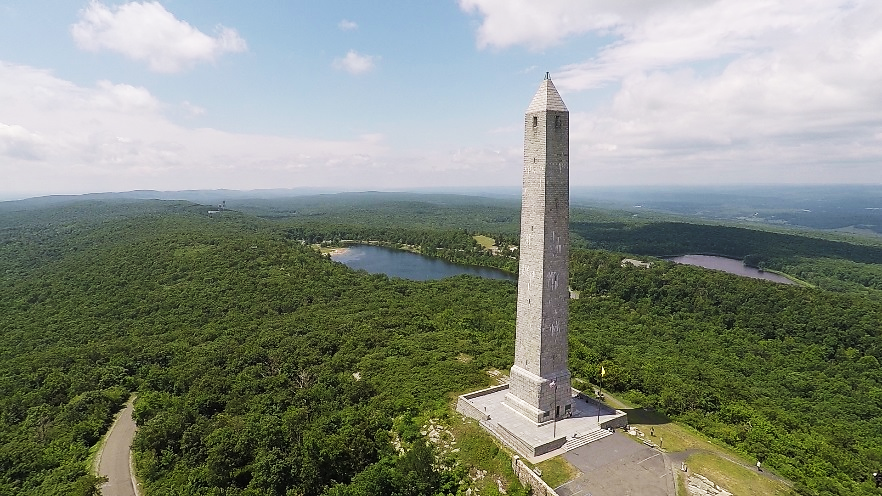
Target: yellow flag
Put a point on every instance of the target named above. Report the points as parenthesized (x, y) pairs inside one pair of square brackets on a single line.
[(602, 371)]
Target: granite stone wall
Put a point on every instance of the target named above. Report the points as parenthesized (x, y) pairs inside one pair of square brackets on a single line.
[(530, 479)]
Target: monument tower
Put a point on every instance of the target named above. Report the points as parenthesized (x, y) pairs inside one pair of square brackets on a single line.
[(540, 377), (538, 392)]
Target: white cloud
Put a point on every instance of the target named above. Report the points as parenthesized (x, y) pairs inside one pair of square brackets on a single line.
[(712, 90), (59, 137), (542, 24), (191, 110), (145, 31), (355, 63), (18, 143), (347, 25), (124, 98)]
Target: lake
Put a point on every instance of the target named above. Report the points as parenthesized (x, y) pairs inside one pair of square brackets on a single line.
[(729, 265), (407, 265)]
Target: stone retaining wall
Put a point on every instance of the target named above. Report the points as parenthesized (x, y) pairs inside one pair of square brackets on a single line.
[(530, 479), (549, 446), (516, 443), (482, 392), (469, 410), (615, 423)]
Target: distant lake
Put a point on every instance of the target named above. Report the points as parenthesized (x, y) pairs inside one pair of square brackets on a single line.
[(413, 266), (729, 265)]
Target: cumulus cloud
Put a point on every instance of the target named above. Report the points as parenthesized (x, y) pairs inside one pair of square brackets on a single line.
[(124, 98), (19, 143), (191, 110), (146, 31), (355, 63), (538, 25), (56, 136), (347, 25), (709, 90), (60, 137)]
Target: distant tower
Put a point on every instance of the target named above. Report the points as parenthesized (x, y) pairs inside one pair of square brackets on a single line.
[(540, 377)]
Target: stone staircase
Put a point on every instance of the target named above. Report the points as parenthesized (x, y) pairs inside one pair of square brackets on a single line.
[(583, 439)]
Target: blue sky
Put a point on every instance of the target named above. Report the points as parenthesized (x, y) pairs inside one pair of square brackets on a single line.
[(358, 95)]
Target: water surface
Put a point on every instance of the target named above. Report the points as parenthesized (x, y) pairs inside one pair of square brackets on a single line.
[(729, 265), (407, 265)]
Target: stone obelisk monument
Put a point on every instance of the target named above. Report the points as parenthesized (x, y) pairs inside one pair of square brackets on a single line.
[(540, 377)]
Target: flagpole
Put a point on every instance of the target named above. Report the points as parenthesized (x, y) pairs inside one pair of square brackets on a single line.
[(602, 373)]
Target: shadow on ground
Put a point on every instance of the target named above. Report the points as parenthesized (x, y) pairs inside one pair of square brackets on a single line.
[(645, 416)]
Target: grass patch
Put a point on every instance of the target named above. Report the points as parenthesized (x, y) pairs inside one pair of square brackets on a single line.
[(734, 477), (662, 431), (681, 484), (486, 242), (557, 471), (478, 451), (670, 436), (712, 464), (92, 459)]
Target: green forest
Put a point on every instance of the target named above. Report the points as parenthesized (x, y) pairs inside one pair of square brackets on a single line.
[(263, 367)]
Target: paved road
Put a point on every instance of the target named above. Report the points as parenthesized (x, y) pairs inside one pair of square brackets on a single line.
[(116, 455), (617, 466)]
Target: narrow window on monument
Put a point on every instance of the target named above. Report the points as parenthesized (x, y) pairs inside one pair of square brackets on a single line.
[(557, 122), (535, 121)]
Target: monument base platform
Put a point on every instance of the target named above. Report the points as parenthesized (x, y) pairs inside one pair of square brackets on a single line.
[(590, 420)]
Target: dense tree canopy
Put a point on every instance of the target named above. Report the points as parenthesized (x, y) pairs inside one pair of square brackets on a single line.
[(262, 367)]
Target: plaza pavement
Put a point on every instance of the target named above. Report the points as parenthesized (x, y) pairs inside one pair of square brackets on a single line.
[(586, 419), (619, 466)]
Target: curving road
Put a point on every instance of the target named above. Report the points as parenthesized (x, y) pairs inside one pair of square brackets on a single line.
[(115, 458)]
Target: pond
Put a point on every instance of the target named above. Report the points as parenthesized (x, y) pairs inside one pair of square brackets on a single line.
[(407, 265), (729, 265)]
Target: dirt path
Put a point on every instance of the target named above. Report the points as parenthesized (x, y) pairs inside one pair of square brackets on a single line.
[(115, 458)]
